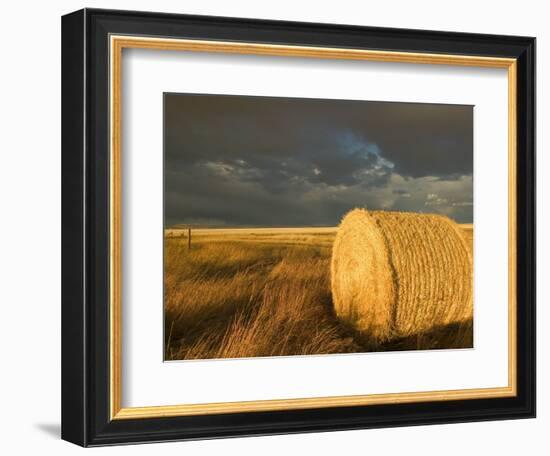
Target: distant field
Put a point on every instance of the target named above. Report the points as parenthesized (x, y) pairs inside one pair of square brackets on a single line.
[(303, 235), (316, 236), (245, 292)]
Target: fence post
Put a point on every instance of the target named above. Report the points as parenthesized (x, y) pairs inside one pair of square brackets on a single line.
[(188, 238)]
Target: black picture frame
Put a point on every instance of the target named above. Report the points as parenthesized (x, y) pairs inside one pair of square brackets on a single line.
[(85, 228)]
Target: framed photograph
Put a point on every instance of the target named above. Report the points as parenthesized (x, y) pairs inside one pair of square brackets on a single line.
[(277, 227)]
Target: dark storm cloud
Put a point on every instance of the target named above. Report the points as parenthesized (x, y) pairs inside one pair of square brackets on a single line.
[(238, 160)]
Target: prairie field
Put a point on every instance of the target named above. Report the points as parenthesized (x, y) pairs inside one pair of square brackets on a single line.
[(250, 292)]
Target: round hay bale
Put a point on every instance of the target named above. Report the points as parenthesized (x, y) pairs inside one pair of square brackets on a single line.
[(395, 274)]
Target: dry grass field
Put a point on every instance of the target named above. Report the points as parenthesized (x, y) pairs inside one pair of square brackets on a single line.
[(267, 292)]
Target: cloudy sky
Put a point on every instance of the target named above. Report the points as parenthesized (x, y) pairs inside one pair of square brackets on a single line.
[(265, 161)]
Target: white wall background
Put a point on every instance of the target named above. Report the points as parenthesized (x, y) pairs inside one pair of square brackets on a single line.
[(30, 193)]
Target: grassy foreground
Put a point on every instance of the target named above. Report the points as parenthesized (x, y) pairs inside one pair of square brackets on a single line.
[(264, 292)]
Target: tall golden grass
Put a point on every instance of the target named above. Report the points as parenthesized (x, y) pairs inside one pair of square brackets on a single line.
[(227, 299), (396, 274)]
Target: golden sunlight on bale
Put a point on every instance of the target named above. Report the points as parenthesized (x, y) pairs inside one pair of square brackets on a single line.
[(395, 274)]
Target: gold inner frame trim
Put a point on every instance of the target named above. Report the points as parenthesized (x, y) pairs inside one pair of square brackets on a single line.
[(117, 44)]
